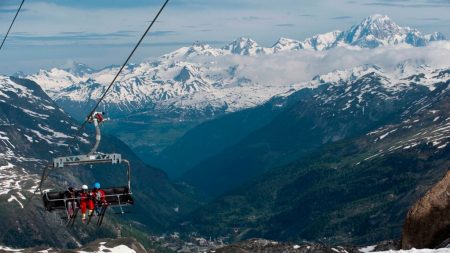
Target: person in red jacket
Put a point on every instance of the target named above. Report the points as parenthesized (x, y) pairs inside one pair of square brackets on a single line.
[(86, 202), (98, 196), (99, 116)]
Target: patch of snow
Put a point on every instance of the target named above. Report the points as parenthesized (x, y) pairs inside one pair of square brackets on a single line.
[(42, 136), (35, 114), (29, 138), (442, 146), (386, 134), (117, 249), (48, 107), (441, 250), (55, 133), (367, 249), (13, 180), (8, 249), (14, 198), (21, 196)]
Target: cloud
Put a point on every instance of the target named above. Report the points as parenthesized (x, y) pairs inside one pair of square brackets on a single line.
[(432, 4), (12, 10), (285, 25), (302, 66), (73, 36), (162, 33), (254, 18), (427, 19), (341, 17)]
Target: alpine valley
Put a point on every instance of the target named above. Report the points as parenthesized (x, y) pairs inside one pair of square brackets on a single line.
[(327, 140), (160, 100)]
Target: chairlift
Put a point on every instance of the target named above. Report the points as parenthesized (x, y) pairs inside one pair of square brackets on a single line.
[(114, 196)]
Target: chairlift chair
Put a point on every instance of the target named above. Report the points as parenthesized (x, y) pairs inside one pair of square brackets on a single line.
[(114, 196)]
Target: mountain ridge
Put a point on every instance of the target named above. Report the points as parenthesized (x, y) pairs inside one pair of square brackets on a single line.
[(175, 82)]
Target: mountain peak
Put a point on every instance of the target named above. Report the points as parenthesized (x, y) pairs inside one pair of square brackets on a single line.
[(378, 22), (184, 75), (378, 18), (79, 69), (244, 40), (435, 36), (243, 46), (284, 44), (379, 30), (378, 25), (196, 49)]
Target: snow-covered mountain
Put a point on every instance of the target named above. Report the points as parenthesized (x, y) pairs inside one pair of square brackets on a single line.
[(171, 84), (374, 31), (203, 80), (32, 130)]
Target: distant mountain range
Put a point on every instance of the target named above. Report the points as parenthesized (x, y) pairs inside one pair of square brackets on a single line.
[(160, 100), (178, 84)]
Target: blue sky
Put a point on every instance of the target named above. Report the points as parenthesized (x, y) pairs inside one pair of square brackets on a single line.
[(54, 33)]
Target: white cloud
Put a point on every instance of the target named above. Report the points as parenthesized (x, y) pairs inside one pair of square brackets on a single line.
[(302, 66)]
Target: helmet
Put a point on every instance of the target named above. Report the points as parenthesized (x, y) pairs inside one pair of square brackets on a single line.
[(84, 187), (70, 188), (97, 185)]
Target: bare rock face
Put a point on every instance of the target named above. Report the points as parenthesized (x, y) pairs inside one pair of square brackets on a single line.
[(427, 223)]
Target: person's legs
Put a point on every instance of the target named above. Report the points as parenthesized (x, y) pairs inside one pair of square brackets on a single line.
[(70, 208), (83, 211), (90, 206)]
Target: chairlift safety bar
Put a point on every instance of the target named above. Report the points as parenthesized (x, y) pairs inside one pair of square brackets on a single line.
[(80, 198), (60, 162)]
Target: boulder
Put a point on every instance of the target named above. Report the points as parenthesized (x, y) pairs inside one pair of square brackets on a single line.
[(427, 223)]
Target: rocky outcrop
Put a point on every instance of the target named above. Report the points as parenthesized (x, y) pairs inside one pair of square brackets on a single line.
[(427, 223), (266, 246)]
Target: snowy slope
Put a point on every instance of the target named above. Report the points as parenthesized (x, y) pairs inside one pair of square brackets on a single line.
[(171, 84), (101, 248), (201, 79), (32, 130)]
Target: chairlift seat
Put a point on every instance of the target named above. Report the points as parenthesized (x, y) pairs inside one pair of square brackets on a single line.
[(115, 196)]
